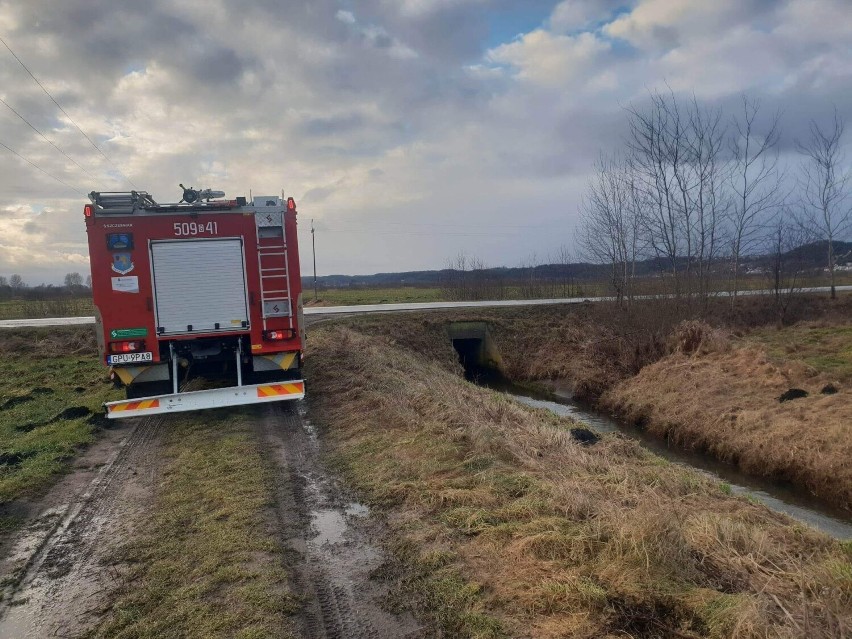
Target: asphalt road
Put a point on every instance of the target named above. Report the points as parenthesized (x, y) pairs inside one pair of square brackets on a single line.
[(413, 306)]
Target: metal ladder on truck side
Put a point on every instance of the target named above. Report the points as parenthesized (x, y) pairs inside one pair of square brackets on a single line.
[(272, 263)]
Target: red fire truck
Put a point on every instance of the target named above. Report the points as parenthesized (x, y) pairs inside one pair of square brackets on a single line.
[(204, 288)]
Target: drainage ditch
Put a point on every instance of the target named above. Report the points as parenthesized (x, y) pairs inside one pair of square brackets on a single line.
[(481, 361)]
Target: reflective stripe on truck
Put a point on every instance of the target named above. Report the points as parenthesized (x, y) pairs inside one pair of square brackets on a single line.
[(213, 398)]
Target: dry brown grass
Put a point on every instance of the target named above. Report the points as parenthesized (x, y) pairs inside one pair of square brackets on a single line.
[(723, 399), (510, 527), (48, 342)]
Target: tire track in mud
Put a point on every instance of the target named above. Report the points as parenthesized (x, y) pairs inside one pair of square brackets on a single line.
[(59, 579), (328, 539)]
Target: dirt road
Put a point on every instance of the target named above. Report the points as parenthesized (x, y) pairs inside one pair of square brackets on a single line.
[(57, 570), (330, 538), (60, 577)]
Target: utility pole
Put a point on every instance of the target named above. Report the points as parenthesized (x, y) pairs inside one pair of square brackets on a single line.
[(314, 247)]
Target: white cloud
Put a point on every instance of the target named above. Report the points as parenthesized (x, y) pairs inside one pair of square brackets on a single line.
[(346, 17), (573, 15), (548, 60), (415, 8), (395, 117)]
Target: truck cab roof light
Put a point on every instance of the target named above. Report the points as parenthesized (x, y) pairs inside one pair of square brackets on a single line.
[(88, 210)]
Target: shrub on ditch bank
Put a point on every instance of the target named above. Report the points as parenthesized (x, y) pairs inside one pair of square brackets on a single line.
[(697, 337)]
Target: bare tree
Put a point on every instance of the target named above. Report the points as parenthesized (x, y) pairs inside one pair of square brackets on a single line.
[(3, 281), (825, 187), (651, 156), (530, 282), (755, 182), (709, 198), (786, 268), (469, 278), (678, 174), (610, 223), (73, 281), (17, 282), (564, 257), (89, 281)]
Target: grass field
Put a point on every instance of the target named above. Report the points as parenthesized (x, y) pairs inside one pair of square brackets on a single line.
[(64, 307), (348, 296), (82, 306), (207, 563), (48, 398), (828, 349)]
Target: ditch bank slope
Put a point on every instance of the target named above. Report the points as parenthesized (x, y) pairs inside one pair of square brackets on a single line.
[(507, 526), (698, 387), (732, 400)]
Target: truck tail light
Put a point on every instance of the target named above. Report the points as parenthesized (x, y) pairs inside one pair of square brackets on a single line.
[(88, 210), (291, 204), (126, 347), (275, 336)]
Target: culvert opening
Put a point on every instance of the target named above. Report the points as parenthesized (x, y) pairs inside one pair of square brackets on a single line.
[(470, 356), (476, 351)]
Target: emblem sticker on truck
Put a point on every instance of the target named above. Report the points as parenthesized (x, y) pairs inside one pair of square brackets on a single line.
[(122, 263), (118, 333)]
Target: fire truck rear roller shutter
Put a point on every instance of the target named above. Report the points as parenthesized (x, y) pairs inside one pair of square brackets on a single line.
[(199, 283)]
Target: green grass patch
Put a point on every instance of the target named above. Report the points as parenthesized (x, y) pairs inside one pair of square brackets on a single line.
[(347, 296), (828, 350), (46, 409), (59, 307), (207, 563)]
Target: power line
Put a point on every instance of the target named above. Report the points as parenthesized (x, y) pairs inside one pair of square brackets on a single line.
[(29, 124), (34, 165), (70, 119)]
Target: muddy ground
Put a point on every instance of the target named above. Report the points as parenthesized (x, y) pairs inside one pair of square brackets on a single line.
[(60, 571), (57, 570), (331, 539)]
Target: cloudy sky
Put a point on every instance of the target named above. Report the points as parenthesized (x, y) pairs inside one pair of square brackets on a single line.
[(409, 130)]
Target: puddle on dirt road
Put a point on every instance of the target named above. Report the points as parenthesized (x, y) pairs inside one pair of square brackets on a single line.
[(335, 541), (785, 499), (330, 525)]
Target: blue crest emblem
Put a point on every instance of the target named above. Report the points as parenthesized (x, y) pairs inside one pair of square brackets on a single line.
[(122, 263)]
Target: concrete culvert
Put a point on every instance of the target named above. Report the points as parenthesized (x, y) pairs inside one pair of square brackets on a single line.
[(793, 393), (475, 348)]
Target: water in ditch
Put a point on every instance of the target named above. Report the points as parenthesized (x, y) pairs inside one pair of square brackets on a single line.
[(783, 498)]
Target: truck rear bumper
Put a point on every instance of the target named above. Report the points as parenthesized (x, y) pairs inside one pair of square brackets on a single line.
[(213, 398)]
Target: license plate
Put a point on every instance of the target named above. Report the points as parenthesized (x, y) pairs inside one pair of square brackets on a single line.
[(130, 358)]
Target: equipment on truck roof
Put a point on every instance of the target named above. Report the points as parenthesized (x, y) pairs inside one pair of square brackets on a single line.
[(203, 287)]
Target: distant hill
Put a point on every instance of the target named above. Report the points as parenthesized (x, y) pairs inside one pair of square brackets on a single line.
[(809, 256), (816, 253)]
